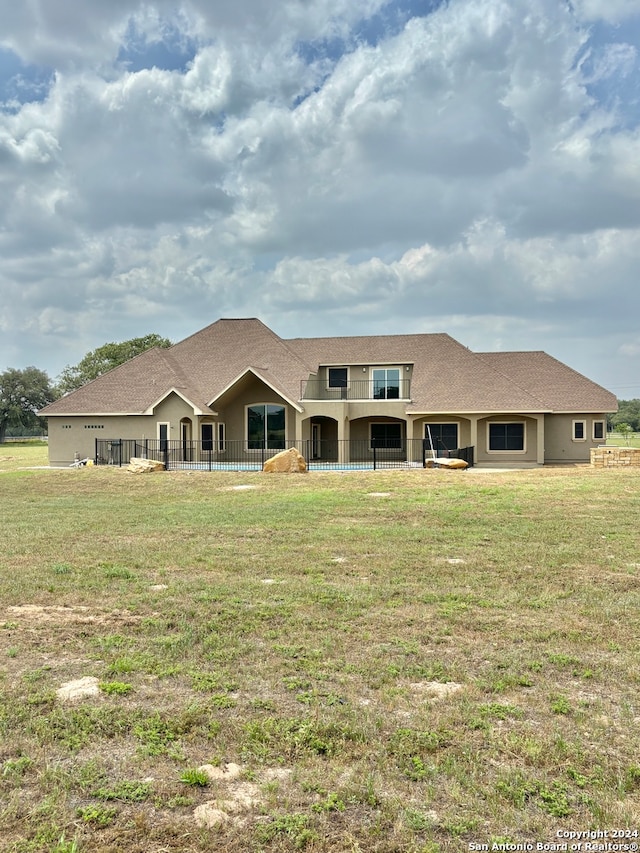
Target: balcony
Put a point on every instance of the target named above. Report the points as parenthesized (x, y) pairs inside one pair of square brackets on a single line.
[(356, 389)]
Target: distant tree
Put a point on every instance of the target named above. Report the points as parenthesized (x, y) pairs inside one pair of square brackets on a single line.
[(106, 357), (628, 413), (22, 394)]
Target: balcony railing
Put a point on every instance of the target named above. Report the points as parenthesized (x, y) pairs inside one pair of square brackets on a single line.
[(356, 389)]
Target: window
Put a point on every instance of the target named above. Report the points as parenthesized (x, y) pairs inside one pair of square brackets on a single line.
[(265, 427), (506, 437), (222, 440), (599, 433), (163, 436), (386, 383), (579, 430), (444, 437), (337, 377), (388, 436), (206, 432)]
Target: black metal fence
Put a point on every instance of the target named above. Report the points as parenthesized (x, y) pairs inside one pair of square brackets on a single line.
[(237, 456)]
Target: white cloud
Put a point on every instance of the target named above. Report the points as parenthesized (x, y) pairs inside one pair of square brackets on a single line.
[(473, 171)]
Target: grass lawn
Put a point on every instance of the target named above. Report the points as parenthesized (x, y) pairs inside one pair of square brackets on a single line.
[(410, 661)]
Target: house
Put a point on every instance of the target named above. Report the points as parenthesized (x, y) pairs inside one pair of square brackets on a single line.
[(235, 390)]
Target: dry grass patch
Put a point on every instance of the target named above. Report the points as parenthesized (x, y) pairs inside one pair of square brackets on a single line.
[(452, 661)]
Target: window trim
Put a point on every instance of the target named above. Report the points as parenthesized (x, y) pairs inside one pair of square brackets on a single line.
[(246, 427), (521, 423), (574, 424), (603, 424)]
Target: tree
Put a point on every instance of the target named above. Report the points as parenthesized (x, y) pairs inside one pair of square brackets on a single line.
[(106, 357), (628, 413), (22, 394), (625, 431)]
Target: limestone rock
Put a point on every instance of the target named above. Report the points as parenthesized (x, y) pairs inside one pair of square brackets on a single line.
[(443, 462), (286, 462), (144, 466)]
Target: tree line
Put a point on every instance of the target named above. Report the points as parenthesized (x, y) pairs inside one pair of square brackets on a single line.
[(24, 392)]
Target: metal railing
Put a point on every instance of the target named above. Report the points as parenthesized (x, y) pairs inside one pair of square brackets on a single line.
[(326, 454), (356, 389)]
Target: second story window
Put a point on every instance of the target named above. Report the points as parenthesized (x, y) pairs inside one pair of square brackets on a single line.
[(386, 383), (337, 377)]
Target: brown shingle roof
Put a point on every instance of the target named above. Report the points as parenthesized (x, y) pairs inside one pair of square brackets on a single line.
[(560, 387), (447, 377)]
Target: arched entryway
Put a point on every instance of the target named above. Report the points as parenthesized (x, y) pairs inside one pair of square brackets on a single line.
[(323, 439), (186, 439)]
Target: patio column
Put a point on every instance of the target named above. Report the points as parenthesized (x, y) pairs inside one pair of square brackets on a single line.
[(344, 431), (473, 436), (540, 439)]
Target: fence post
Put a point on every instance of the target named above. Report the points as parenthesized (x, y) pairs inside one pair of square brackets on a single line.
[(373, 447)]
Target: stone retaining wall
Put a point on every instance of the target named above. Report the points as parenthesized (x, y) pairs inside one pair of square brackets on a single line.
[(615, 457)]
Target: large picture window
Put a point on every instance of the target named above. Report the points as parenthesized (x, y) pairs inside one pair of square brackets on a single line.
[(265, 427), (444, 437), (388, 436), (505, 436)]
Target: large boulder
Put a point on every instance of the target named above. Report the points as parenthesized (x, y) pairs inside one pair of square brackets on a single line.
[(144, 466), (443, 462), (286, 462)]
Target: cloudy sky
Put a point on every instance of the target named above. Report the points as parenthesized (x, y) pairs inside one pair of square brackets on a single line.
[(330, 166)]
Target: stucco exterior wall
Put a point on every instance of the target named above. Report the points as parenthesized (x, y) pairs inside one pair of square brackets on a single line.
[(74, 437), (528, 456), (559, 444)]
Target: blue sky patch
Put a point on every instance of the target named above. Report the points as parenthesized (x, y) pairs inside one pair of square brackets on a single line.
[(612, 69), (173, 52), (21, 83)]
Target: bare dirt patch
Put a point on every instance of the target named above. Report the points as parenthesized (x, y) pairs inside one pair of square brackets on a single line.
[(237, 797), (60, 614)]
